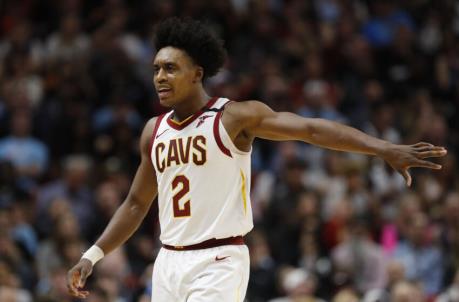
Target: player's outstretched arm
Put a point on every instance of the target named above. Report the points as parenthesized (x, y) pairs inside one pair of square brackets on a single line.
[(126, 220), (255, 119)]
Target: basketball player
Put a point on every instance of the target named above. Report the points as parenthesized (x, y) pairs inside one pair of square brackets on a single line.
[(196, 158)]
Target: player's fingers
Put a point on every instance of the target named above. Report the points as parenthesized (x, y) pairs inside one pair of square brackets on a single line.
[(407, 177), (83, 276), (72, 283), (82, 294), (426, 164), (422, 145), (72, 290), (77, 293), (433, 153), (429, 148)]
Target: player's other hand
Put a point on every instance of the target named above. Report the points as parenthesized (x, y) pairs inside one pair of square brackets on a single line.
[(403, 157), (76, 278)]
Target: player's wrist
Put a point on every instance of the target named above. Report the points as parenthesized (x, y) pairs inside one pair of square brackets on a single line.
[(93, 254), (382, 148)]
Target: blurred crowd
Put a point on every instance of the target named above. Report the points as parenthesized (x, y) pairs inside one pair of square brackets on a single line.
[(76, 89)]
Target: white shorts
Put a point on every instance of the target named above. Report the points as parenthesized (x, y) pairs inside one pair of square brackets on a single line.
[(207, 275)]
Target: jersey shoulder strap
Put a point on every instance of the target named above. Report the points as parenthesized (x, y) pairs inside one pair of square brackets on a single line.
[(218, 106)]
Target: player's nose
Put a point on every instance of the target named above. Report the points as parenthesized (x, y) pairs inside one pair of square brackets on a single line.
[(161, 76)]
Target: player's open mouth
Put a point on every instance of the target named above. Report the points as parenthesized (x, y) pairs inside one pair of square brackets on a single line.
[(164, 92)]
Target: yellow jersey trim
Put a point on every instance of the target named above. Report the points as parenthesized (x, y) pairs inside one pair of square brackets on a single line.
[(243, 192), (181, 122)]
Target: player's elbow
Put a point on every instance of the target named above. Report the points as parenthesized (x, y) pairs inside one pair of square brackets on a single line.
[(136, 206), (311, 130)]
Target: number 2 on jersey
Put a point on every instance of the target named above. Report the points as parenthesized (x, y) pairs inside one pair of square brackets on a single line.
[(185, 210)]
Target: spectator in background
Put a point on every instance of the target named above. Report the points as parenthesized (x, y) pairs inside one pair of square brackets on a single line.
[(23, 87), (28, 155), (69, 43), (147, 284), (8, 183), (14, 295), (421, 259), (452, 292), (346, 295), (360, 258), (319, 102), (360, 197), (298, 285), (450, 234), (74, 187), (20, 39), (397, 220), (117, 112), (22, 230), (107, 199), (407, 292), (329, 181), (262, 283), (54, 254), (112, 276), (334, 229), (281, 223), (57, 289), (99, 295), (15, 269), (395, 275), (312, 256), (409, 206), (313, 260), (380, 30), (382, 122)]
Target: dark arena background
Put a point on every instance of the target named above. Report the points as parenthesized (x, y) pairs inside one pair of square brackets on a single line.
[(76, 90)]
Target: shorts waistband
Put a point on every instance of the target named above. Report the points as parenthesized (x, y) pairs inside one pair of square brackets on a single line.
[(238, 240)]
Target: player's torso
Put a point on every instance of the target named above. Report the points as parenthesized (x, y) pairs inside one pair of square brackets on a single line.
[(203, 179)]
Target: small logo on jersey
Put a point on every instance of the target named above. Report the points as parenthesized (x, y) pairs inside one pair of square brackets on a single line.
[(202, 119), (221, 258), (161, 133)]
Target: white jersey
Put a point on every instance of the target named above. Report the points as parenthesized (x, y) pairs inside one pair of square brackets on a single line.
[(203, 179)]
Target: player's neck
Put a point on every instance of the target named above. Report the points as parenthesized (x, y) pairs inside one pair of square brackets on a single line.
[(190, 106)]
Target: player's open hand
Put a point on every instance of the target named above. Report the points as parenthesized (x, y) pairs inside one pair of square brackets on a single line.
[(403, 157), (76, 278)]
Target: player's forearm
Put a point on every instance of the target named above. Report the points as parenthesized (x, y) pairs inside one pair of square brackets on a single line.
[(340, 137), (123, 224)]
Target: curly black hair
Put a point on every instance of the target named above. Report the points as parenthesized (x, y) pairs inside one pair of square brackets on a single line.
[(195, 39)]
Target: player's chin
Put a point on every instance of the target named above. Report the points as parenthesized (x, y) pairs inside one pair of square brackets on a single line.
[(166, 101)]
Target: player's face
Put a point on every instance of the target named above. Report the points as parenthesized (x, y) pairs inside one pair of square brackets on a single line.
[(175, 76)]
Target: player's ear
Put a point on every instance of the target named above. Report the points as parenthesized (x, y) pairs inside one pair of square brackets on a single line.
[(199, 74)]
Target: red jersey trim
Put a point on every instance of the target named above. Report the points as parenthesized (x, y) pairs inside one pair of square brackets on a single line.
[(155, 130), (218, 139), (189, 120)]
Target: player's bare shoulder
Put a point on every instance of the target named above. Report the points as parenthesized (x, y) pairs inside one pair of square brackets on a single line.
[(243, 109), (243, 115), (150, 124), (147, 133)]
